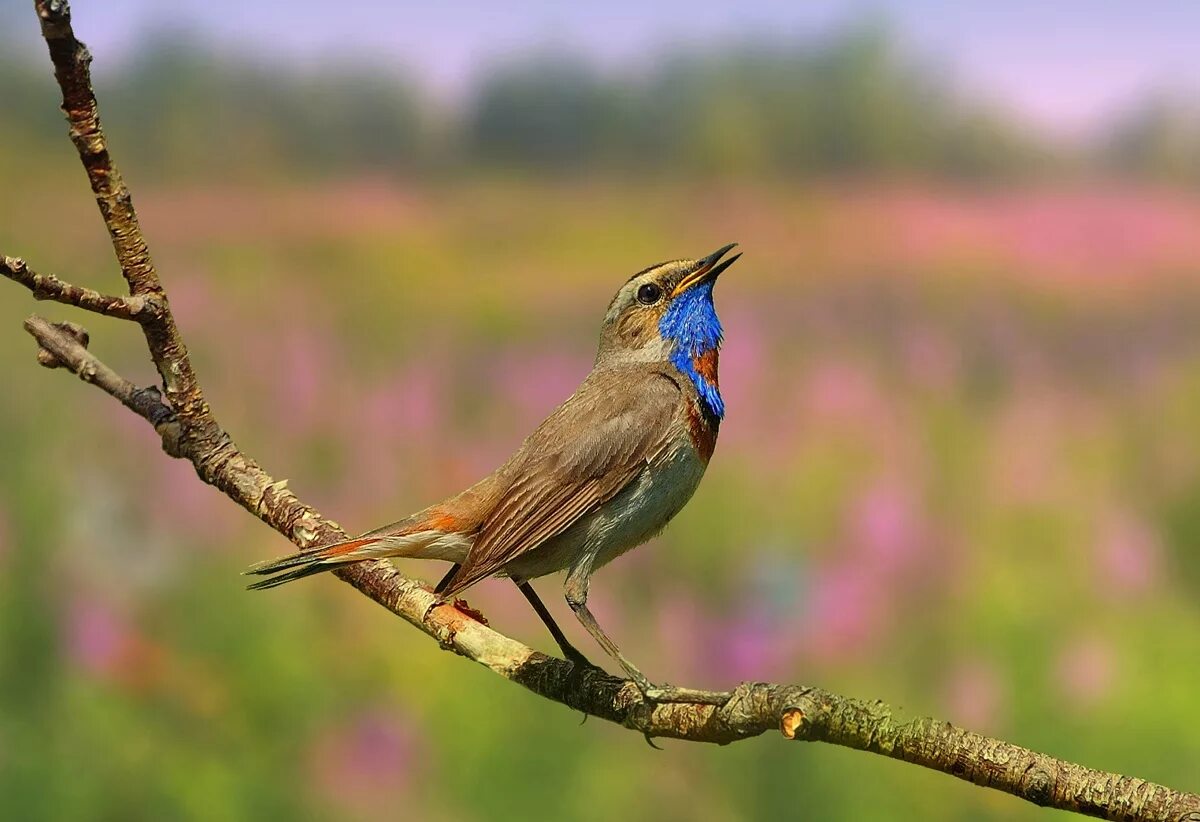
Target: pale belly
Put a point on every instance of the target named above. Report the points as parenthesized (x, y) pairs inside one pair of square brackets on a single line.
[(633, 516)]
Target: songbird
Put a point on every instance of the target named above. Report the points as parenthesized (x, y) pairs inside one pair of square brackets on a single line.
[(602, 474)]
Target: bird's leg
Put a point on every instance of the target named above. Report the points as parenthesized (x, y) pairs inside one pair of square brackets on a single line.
[(461, 604), (576, 590), (441, 586), (569, 650)]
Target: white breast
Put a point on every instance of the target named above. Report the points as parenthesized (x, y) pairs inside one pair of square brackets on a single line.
[(647, 505)]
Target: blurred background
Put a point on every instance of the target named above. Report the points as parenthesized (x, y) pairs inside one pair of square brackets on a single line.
[(960, 470)]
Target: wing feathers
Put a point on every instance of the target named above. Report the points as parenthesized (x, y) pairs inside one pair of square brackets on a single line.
[(583, 455)]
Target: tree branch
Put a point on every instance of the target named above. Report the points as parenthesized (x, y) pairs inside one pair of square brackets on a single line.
[(189, 430), (139, 308), (64, 345)]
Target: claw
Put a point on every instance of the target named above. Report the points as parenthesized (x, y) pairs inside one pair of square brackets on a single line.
[(650, 740), (579, 663)]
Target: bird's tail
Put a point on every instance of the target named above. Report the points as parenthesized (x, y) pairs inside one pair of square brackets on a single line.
[(430, 534), (307, 563)]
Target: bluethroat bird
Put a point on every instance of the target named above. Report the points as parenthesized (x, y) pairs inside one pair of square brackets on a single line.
[(602, 474)]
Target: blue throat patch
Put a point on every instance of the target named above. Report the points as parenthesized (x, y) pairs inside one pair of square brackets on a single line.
[(691, 324)]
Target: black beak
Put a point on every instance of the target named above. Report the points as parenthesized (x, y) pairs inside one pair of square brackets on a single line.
[(715, 257), (707, 269)]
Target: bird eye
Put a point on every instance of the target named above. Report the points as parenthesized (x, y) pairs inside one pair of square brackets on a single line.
[(649, 294)]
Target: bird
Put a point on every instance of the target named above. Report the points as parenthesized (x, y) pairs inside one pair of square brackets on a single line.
[(602, 474)]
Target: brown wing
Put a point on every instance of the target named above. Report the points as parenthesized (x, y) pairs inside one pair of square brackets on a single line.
[(594, 445)]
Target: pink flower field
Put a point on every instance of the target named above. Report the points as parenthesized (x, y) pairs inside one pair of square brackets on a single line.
[(960, 470)]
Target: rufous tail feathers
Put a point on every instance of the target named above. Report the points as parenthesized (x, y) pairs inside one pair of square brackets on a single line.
[(428, 535), (307, 563)]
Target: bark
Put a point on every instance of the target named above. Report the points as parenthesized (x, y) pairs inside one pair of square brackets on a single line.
[(184, 421)]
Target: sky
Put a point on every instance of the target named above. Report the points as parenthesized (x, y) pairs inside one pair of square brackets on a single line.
[(1066, 65)]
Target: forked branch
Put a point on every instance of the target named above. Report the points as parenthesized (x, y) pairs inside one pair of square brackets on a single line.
[(189, 430)]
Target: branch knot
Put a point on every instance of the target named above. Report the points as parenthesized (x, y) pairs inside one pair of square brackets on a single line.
[(48, 359), (55, 11)]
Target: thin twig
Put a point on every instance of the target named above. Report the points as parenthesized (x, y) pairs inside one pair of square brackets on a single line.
[(72, 62), (754, 708), (138, 308), (58, 347)]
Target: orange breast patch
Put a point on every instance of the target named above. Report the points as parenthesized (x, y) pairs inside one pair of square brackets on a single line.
[(706, 366)]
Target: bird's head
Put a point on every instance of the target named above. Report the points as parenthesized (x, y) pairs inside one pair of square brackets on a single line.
[(665, 314)]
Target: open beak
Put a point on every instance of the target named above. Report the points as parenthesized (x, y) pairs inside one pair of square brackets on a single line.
[(707, 269)]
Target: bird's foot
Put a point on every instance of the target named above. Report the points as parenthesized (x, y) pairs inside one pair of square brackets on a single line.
[(668, 693), (572, 655), (579, 662)]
